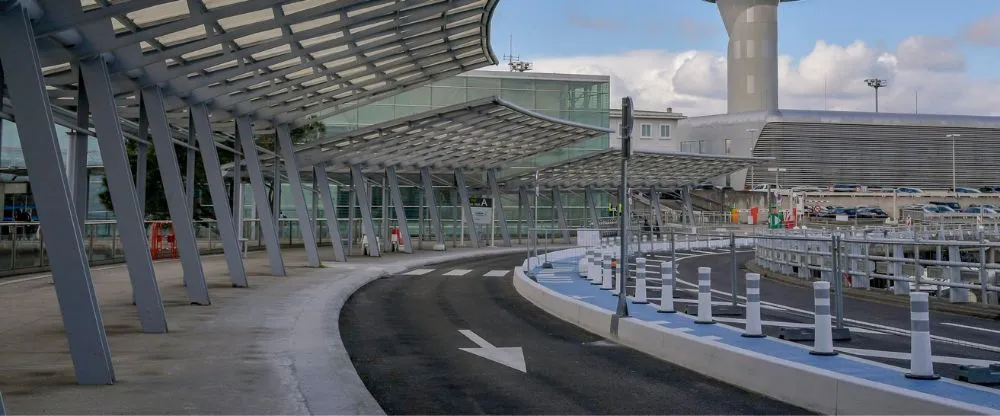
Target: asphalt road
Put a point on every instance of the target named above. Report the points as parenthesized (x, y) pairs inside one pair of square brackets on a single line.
[(880, 327), (402, 333)]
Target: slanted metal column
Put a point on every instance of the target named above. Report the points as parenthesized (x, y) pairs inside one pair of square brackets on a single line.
[(97, 83), (463, 195), (276, 185), (189, 168), (88, 343), (397, 201), (295, 184), (323, 183), (592, 206), (365, 206), (688, 210), (237, 196), (491, 177), (530, 216), (560, 212), (142, 155), (177, 201), (657, 212), (268, 227), (77, 152), (217, 190), (432, 207)]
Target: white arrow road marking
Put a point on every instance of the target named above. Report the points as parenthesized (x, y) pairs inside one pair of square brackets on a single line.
[(511, 357), (892, 355), (971, 327)]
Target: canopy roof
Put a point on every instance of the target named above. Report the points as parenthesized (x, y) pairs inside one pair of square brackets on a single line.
[(275, 61), (646, 169), (480, 134)]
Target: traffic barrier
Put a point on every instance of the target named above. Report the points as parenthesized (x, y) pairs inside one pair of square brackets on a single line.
[(704, 296), (583, 266), (752, 328), (606, 272), (666, 288), (823, 328), (594, 274), (921, 364), (640, 281)]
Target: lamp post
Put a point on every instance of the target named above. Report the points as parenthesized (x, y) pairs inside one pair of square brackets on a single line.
[(876, 83), (753, 174), (954, 174)]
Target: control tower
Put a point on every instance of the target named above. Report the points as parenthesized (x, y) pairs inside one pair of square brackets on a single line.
[(753, 53)]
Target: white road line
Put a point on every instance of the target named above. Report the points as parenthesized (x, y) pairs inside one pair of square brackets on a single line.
[(971, 327), (458, 272), (892, 355), (418, 272), (496, 273)]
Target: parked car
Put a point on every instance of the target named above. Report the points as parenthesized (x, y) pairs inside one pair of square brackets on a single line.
[(807, 189), (846, 187), (872, 212), (764, 187), (955, 206), (909, 190), (990, 189), (963, 190), (979, 210), (990, 206), (940, 209)]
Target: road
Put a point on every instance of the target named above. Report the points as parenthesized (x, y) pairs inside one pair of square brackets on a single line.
[(403, 336), (880, 331)]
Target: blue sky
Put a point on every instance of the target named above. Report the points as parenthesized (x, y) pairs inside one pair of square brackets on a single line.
[(564, 28)]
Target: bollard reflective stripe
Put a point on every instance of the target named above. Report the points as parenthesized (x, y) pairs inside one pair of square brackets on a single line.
[(753, 325), (704, 296), (921, 361), (823, 332), (640, 281), (666, 288)]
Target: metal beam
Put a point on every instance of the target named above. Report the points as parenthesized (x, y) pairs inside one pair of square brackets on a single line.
[(131, 228), (557, 204), (491, 178), (88, 343), (657, 212), (397, 202), (237, 194), (463, 196), (432, 207), (295, 185), (189, 174), (268, 227), (592, 206), (323, 183), (177, 202), (365, 206), (79, 179), (220, 201)]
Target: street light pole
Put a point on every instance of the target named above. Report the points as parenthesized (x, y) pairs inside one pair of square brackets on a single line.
[(876, 83), (753, 173), (954, 174)]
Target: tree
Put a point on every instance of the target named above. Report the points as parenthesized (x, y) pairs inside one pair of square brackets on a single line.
[(156, 200)]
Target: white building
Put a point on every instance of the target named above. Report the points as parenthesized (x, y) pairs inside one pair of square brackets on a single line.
[(652, 130)]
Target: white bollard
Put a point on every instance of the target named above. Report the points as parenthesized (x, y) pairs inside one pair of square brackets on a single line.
[(583, 267), (704, 296), (823, 333), (606, 272), (921, 364), (640, 281), (594, 273), (752, 328), (666, 288)]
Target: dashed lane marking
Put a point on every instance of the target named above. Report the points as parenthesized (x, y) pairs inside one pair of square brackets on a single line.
[(497, 273), (458, 272), (418, 272)]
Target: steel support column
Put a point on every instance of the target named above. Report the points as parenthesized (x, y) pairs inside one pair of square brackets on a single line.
[(142, 156), (529, 215), (237, 192), (654, 195), (491, 178), (276, 185), (557, 201), (463, 196), (177, 201), (592, 206), (397, 201), (268, 227), (131, 228), (77, 152), (295, 184), (365, 206), (323, 183), (428, 184), (217, 190), (688, 210), (88, 343), (189, 168)]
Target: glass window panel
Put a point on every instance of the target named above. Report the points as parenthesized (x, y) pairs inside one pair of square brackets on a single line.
[(517, 84), (406, 110), (445, 96), (543, 85), (373, 114), (520, 98), (548, 100), (478, 82), (476, 93), (419, 96), (450, 82), (347, 117)]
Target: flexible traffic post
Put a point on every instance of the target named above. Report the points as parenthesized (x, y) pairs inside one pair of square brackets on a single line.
[(640, 281), (585, 261), (752, 328), (823, 333), (606, 272), (594, 273), (704, 296), (666, 288), (921, 363)]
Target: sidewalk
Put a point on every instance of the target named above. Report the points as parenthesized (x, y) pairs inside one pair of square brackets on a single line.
[(272, 348)]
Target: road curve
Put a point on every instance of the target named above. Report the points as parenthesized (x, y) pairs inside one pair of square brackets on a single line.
[(402, 333)]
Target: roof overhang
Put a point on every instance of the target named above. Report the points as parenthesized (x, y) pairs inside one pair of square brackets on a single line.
[(274, 61), (646, 170), (479, 134)]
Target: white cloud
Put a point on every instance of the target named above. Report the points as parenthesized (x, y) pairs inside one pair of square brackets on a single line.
[(831, 76)]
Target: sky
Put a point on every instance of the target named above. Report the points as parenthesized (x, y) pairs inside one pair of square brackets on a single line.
[(671, 53)]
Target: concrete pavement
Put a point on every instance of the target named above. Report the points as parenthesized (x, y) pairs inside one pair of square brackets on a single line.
[(272, 348)]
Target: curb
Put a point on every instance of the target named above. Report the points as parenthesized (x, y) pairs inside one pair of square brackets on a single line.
[(987, 312)]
